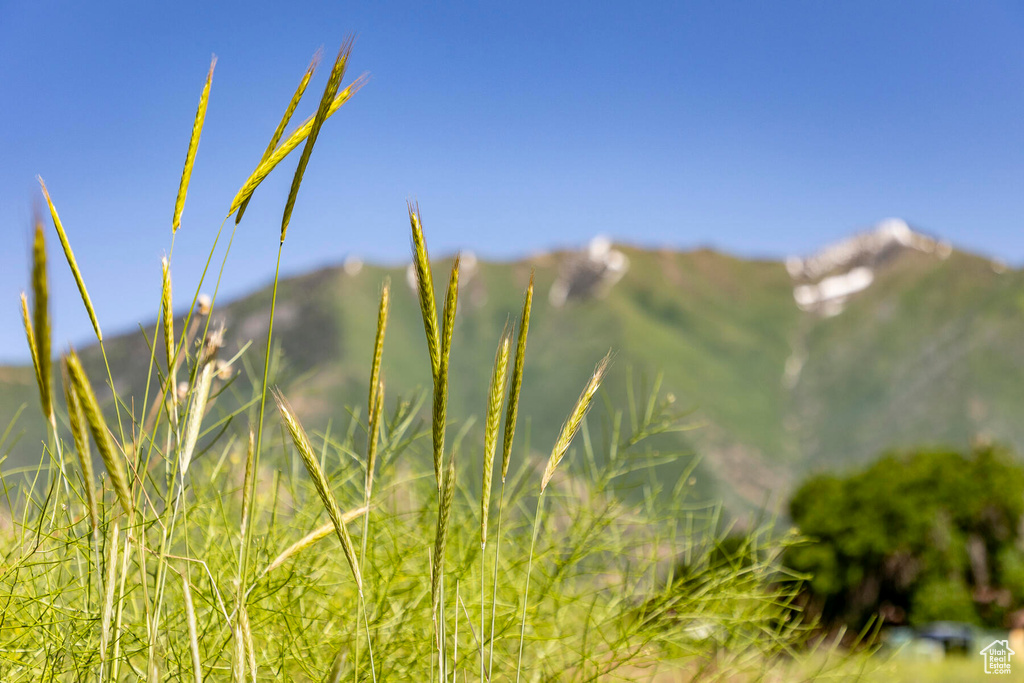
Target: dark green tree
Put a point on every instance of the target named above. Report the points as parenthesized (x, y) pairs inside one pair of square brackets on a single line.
[(914, 537)]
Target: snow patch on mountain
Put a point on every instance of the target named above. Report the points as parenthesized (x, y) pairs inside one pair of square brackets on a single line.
[(825, 281)]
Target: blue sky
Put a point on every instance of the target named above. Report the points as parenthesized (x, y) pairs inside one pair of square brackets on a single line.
[(758, 128)]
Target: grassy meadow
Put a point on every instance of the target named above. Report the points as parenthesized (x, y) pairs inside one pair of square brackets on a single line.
[(203, 533)]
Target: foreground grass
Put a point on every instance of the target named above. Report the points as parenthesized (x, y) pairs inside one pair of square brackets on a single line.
[(225, 542)]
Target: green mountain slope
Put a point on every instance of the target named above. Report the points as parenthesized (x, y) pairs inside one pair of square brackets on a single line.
[(928, 353)]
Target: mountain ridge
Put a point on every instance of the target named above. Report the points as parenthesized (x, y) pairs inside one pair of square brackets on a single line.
[(924, 353)]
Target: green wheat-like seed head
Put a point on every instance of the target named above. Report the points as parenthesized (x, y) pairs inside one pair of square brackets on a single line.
[(33, 348), (316, 473), (378, 344), (81, 440), (167, 309), (279, 131), (289, 145), (194, 421), (440, 408), (193, 147), (112, 459), (41, 321), (72, 262), (494, 399), (322, 112), (516, 383), (372, 437), (572, 424), (425, 289)]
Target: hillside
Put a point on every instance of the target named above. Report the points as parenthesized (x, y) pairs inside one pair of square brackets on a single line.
[(888, 340)]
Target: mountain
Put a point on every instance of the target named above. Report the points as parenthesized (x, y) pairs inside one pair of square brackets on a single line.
[(888, 339)]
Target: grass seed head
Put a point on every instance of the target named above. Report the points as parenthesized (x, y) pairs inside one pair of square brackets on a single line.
[(193, 146), (290, 143), (195, 418), (440, 406), (323, 111), (494, 399), (81, 439), (33, 349), (378, 344), (167, 307), (113, 460), (316, 473), (572, 424), (425, 289), (276, 137), (41, 321), (72, 262), (517, 381), (372, 437)]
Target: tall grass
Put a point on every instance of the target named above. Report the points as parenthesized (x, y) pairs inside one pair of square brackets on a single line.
[(192, 556)]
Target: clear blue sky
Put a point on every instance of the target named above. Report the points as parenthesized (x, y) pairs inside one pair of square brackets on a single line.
[(758, 128)]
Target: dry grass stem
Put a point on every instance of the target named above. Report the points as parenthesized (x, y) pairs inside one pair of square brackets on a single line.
[(333, 83), (517, 381), (70, 255), (318, 534), (572, 424), (316, 473), (193, 146), (100, 433)]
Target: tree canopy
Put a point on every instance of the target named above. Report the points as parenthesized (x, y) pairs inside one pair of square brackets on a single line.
[(915, 537)]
